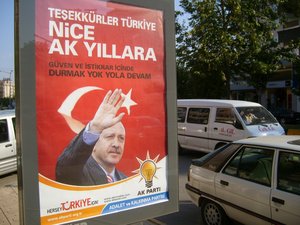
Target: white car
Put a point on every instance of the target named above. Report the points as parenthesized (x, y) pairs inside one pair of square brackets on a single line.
[(252, 181), (8, 156)]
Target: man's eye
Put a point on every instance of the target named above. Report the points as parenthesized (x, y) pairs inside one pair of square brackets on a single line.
[(109, 136)]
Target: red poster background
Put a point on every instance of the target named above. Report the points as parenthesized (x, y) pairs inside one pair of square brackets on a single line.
[(146, 124)]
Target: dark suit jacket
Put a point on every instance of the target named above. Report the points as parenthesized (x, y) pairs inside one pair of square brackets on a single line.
[(76, 166)]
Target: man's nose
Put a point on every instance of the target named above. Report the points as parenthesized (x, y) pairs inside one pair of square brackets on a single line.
[(116, 143)]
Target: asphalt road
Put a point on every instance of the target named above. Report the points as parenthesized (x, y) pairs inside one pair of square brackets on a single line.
[(188, 213)]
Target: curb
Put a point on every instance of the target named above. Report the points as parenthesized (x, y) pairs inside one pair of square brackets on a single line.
[(293, 132)]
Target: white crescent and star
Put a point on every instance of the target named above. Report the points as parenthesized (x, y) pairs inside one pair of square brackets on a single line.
[(69, 103), (128, 101)]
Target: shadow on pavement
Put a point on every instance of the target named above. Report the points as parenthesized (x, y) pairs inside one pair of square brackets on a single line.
[(188, 214)]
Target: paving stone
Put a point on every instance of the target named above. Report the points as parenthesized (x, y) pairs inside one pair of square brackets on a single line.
[(9, 206)]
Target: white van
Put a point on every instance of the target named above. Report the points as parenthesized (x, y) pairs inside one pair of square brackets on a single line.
[(8, 158), (205, 125)]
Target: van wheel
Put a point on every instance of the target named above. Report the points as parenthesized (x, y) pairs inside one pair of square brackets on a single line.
[(213, 214)]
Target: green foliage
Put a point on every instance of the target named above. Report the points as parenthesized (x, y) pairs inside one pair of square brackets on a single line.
[(296, 78), (227, 40), (198, 85), (6, 103)]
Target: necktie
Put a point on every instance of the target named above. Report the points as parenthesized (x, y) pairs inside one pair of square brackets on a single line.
[(110, 179)]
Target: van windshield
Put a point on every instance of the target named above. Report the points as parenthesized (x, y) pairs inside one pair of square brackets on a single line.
[(255, 115)]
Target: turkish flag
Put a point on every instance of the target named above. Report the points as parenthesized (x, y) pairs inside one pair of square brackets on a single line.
[(83, 50)]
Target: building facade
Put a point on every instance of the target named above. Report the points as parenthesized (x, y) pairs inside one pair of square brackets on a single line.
[(7, 88)]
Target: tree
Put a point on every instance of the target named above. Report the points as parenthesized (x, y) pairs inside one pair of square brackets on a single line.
[(227, 40), (296, 78), (291, 6), (193, 81)]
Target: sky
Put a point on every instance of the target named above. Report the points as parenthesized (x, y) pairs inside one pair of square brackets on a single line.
[(7, 37)]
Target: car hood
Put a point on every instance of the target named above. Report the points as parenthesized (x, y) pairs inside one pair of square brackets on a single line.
[(266, 129)]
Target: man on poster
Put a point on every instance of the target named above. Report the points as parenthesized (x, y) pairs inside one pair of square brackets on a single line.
[(92, 156)]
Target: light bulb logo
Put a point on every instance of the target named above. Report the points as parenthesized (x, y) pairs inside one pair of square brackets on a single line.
[(148, 170)]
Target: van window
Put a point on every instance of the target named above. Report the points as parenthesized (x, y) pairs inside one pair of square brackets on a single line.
[(198, 115), (3, 131), (225, 115), (181, 112), (256, 115)]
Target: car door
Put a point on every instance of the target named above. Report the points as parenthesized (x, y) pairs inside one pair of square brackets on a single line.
[(244, 185), (197, 128), (7, 139), (285, 197)]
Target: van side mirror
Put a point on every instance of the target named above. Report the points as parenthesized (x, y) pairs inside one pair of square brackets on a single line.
[(238, 125)]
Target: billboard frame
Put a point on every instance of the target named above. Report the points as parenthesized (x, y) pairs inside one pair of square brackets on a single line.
[(26, 117)]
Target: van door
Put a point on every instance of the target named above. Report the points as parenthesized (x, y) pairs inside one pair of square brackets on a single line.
[(225, 128), (7, 138), (197, 128)]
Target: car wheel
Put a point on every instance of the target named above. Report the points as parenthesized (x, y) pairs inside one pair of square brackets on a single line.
[(213, 214)]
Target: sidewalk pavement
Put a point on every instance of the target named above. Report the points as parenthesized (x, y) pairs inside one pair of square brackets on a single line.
[(9, 206)]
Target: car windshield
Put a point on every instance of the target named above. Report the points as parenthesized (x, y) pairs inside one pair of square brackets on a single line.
[(256, 115)]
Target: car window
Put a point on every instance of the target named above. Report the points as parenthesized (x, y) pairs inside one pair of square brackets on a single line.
[(3, 131), (198, 115), (215, 160), (225, 115), (253, 164), (14, 123), (289, 172), (181, 112)]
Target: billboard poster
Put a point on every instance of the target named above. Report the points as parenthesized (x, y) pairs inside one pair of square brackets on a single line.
[(101, 108)]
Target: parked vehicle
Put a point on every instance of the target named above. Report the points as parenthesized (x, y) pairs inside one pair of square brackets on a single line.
[(253, 181), (286, 116), (8, 158), (205, 125)]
